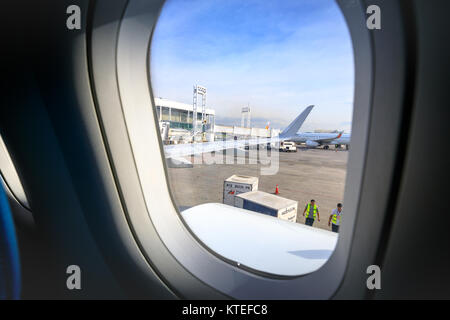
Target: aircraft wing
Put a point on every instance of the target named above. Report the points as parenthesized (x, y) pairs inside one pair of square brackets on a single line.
[(260, 241)]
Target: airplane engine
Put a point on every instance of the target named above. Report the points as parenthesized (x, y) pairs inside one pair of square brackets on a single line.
[(312, 144)]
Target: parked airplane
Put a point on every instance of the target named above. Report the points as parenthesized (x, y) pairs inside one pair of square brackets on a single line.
[(318, 139), (313, 140)]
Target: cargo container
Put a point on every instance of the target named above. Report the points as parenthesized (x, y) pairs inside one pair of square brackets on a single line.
[(237, 184), (269, 204)]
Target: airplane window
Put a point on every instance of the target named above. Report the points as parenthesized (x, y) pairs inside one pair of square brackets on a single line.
[(254, 101)]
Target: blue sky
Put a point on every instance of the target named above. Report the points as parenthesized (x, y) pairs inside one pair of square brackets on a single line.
[(278, 56)]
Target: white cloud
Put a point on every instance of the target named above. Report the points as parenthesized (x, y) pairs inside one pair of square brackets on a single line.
[(314, 65)]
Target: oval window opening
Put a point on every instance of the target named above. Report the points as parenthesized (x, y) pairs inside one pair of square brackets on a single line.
[(254, 101)]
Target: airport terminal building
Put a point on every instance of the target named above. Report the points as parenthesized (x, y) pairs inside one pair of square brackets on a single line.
[(180, 115)]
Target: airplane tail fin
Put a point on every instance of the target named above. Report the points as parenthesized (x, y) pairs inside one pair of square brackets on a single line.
[(295, 125)]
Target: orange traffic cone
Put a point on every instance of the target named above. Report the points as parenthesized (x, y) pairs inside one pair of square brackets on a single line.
[(276, 190)]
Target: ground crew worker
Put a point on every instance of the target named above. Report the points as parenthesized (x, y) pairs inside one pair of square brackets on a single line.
[(311, 211), (335, 218)]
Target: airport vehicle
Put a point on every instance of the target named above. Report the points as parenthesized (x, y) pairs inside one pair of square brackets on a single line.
[(77, 123), (288, 146)]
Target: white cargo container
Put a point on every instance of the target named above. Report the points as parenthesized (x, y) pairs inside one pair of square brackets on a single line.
[(237, 184), (269, 204)]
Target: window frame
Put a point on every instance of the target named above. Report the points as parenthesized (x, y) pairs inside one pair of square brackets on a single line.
[(186, 265)]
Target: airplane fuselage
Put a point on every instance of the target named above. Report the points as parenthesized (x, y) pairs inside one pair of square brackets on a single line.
[(322, 138)]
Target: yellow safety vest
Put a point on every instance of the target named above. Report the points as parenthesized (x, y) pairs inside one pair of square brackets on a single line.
[(334, 219), (308, 209)]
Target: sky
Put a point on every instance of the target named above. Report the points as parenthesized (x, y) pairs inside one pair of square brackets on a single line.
[(278, 56)]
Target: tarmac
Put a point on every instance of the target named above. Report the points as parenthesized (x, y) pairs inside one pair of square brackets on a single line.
[(303, 175)]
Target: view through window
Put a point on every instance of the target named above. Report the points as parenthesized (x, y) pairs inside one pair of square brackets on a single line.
[(254, 101)]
